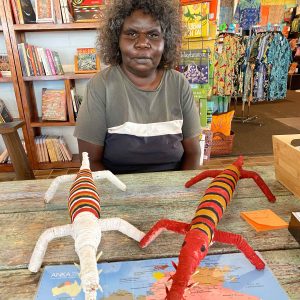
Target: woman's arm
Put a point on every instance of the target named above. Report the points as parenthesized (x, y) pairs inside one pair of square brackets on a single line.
[(191, 155), (95, 154)]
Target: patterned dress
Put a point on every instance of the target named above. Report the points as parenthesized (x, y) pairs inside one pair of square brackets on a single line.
[(279, 58), (227, 55)]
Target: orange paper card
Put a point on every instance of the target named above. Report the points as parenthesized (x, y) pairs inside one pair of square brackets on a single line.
[(262, 220)]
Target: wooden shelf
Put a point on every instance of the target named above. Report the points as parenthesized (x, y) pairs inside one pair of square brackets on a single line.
[(55, 27), (41, 123), (6, 168), (75, 163), (5, 79), (69, 75)]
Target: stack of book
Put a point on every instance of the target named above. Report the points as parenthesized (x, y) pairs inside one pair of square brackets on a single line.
[(5, 115), (38, 61), (52, 149), (23, 11)]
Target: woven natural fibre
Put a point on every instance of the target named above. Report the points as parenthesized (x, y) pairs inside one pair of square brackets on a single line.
[(223, 145)]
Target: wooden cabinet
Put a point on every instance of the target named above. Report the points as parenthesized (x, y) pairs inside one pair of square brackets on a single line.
[(25, 85)]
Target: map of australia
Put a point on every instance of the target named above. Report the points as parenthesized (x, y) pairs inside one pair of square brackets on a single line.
[(228, 276)]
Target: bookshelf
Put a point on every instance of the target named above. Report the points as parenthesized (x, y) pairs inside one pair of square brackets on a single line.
[(4, 32), (25, 84)]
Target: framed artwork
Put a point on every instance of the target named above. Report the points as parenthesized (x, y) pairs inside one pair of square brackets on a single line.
[(44, 11), (86, 61)]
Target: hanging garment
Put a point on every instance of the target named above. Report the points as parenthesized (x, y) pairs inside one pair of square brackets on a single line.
[(227, 54), (279, 57), (247, 13), (267, 60)]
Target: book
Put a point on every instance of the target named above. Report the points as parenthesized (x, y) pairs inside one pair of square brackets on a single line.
[(14, 9), (45, 153), (65, 149), (50, 149), (39, 60), (77, 3), (194, 64), (44, 11), (27, 12), (28, 60), (88, 13), (4, 65), (196, 19), (50, 61), (57, 62), (23, 59), (74, 102), (32, 62), (45, 61), (54, 106), (86, 60), (4, 112), (38, 148), (65, 11)]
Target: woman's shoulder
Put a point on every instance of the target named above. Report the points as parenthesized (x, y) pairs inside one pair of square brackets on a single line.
[(106, 75), (176, 78)]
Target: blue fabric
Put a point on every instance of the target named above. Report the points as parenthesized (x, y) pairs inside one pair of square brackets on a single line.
[(247, 13), (279, 59)]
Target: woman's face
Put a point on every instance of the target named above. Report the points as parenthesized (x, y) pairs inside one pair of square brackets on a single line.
[(141, 44)]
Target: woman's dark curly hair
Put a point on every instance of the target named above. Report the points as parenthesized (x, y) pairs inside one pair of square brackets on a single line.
[(165, 11)]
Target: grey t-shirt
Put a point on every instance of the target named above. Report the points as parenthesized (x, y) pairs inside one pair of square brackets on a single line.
[(140, 130)]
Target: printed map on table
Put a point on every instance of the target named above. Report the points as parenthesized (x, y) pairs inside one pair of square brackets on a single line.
[(227, 276)]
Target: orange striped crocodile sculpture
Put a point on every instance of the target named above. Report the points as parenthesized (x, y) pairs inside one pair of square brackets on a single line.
[(201, 232)]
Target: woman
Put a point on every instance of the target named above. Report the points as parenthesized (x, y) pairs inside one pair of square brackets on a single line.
[(138, 115)]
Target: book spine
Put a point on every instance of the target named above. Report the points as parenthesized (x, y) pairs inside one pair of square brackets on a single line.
[(45, 61), (58, 63), (66, 148), (22, 45), (63, 11), (22, 60), (19, 9), (4, 112), (15, 11), (31, 59), (54, 63), (57, 12), (74, 102), (31, 72), (38, 61), (51, 62)]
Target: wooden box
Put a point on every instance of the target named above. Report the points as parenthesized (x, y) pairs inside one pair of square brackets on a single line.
[(287, 162)]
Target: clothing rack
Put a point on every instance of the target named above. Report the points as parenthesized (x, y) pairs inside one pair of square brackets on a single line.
[(245, 118)]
